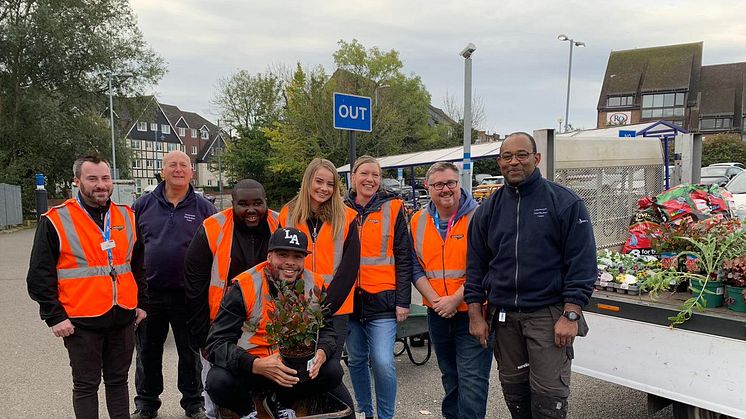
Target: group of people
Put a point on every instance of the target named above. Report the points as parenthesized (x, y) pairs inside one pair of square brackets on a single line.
[(507, 278)]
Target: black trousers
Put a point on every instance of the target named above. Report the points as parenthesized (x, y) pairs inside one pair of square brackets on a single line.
[(235, 392), (341, 327), (166, 308), (94, 353)]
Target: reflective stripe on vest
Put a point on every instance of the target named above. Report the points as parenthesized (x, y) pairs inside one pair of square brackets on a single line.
[(81, 265), (383, 258), (254, 330), (377, 262), (443, 261)]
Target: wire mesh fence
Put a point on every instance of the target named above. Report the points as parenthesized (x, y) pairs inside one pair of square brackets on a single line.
[(611, 195)]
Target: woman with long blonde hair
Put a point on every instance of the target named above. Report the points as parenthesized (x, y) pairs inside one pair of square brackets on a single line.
[(383, 290), (318, 211)]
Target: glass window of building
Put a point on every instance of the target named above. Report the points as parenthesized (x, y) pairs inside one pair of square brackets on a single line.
[(182, 132), (194, 132), (620, 101), (142, 126), (154, 126), (166, 128), (663, 105)]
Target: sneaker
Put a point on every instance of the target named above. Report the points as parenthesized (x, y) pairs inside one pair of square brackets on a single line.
[(252, 415), (198, 413), (143, 414), (275, 408)]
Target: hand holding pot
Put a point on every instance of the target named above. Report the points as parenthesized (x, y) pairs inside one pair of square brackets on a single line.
[(273, 368), (320, 359)]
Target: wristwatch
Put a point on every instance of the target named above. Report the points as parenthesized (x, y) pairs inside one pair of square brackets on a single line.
[(571, 315)]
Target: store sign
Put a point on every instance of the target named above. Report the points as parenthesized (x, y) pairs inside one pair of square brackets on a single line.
[(618, 118)]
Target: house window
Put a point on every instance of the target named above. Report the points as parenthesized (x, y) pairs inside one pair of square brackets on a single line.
[(150, 181), (135, 144), (154, 126), (715, 123), (663, 105), (205, 134), (148, 163), (148, 145), (158, 164), (158, 146), (166, 128), (194, 149), (194, 132), (192, 167), (172, 146), (209, 182), (182, 132), (136, 164), (142, 126), (620, 101)]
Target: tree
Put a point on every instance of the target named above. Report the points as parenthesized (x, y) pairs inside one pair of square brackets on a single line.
[(55, 57), (455, 109), (720, 148)]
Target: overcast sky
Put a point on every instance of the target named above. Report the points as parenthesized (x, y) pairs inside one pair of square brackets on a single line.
[(520, 68)]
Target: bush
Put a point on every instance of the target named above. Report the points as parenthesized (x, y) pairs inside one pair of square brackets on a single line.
[(721, 148)]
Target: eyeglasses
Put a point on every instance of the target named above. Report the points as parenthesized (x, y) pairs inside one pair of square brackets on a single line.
[(521, 156), (439, 185)]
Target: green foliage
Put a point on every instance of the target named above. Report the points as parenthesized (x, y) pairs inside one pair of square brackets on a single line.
[(721, 148), (54, 60), (297, 317)]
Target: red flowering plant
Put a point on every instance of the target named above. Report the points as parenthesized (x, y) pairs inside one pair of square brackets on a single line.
[(734, 272)]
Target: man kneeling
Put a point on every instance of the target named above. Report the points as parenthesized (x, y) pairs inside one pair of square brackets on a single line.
[(244, 365)]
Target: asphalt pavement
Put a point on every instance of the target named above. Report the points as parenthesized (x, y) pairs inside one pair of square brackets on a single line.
[(37, 383)]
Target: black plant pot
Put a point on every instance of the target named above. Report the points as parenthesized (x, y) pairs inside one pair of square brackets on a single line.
[(299, 364)]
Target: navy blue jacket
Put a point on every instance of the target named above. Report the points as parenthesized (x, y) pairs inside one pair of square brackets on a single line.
[(166, 232), (529, 247)]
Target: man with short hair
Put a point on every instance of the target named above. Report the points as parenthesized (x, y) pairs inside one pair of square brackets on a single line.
[(532, 256), (439, 233), (244, 363), (86, 274), (167, 219), (226, 244)]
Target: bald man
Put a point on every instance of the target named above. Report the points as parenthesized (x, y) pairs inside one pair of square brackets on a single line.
[(167, 220)]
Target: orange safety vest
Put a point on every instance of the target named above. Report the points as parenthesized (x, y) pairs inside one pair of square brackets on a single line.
[(326, 251), (84, 283), (444, 262), (255, 290), (219, 232), (377, 264)]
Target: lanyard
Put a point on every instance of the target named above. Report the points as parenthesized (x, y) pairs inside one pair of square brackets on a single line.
[(436, 219), (106, 232)]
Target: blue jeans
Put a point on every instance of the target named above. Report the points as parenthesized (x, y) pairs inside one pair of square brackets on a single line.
[(372, 343), (464, 365)]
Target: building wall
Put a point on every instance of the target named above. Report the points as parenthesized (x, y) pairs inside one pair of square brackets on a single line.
[(208, 178)]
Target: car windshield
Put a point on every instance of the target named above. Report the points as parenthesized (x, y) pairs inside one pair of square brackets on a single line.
[(738, 184), (714, 171), (492, 181)]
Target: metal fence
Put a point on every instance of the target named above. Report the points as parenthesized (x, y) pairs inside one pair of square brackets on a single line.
[(611, 195), (10, 206)]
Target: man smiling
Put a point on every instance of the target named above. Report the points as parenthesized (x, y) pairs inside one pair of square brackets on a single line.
[(227, 244)]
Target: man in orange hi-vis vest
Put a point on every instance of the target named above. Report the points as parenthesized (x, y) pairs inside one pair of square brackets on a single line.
[(86, 274), (226, 244), (244, 363)]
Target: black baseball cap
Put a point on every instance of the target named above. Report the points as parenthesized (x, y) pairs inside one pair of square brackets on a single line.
[(288, 239)]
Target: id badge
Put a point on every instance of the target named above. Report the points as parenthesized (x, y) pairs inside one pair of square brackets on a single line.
[(110, 244), (501, 316)]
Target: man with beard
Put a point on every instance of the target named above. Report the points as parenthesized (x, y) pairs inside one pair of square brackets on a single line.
[(244, 364), (532, 256), (167, 219), (226, 244), (86, 274)]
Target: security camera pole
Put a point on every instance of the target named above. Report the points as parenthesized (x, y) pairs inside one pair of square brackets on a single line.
[(466, 172)]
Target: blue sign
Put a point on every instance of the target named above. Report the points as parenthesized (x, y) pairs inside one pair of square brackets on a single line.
[(352, 112), (623, 133)]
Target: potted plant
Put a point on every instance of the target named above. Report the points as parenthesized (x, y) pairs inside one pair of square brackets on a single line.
[(734, 277), (710, 243), (294, 324)]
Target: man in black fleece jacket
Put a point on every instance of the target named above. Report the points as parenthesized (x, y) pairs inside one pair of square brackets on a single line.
[(531, 254)]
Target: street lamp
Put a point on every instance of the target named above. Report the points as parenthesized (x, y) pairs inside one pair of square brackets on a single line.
[(573, 43), (466, 172)]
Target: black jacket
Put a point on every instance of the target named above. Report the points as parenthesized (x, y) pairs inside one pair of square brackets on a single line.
[(531, 246), (248, 249), (42, 278), (226, 330), (383, 304)]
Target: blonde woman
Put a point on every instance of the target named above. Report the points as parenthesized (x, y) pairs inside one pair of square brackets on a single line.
[(383, 287), (318, 211)]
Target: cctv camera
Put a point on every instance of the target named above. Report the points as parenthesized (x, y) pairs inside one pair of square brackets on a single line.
[(468, 50)]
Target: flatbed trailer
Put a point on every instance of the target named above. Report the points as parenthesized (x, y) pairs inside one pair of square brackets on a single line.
[(699, 366)]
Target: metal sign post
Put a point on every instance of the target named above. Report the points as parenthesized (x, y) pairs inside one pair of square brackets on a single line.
[(352, 113)]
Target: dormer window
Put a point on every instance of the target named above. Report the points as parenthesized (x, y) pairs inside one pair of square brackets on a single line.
[(142, 126), (205, 134)]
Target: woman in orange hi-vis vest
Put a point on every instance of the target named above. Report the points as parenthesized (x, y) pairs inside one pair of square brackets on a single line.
[(383, 289), (319, 212)]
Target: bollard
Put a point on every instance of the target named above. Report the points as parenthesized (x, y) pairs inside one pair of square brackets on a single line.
[(41, 196)]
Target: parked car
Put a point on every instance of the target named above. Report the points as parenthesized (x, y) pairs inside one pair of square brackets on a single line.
[(718, 174), (405, 192), (737, 186), (736, 164), (488, 186), (421, 197)]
